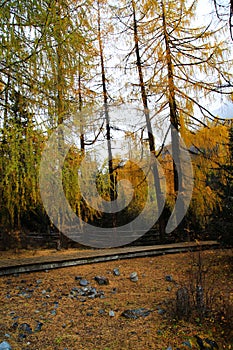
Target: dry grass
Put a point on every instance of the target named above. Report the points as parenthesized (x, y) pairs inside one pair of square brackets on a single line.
[(78, 325)]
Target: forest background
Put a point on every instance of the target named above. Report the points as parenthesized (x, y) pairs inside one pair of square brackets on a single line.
[(64, 60)]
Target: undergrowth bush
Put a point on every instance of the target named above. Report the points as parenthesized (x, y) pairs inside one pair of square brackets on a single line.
[(199, 299)]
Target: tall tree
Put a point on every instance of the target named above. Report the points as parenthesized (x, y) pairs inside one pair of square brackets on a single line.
[(144, 97), (182, 63), (112, 191)]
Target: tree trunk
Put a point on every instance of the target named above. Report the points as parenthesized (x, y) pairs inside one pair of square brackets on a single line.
[(112, 189), (174, 118), (159, 193)]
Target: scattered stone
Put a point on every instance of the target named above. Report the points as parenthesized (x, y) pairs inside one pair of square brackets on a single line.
[(15, 325), (7, 335), (56, 304), (53, 312), (21, 336), (136, 313), (101, 311), (88, 291), (89, 314), (101, 280), (134, 277), (161, 311), (78, 278), (187, 343), (111, 313), (169, 278), (206, 343), (38, 326), (83, 282), (5, 346), (212, 343), (26, 328), (169, 348), (116, 272), (39, 281), (169, 288)]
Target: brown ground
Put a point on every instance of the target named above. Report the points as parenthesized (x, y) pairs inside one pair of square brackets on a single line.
[(79, 325), (30, 253)]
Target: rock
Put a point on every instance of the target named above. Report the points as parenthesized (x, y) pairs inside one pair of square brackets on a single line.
[(111, 313), (38, 326), (38, 281), (83, 282), (101, 280), (161, 311), (56, 304), (116, 272), (15, 325), (21, 336), (169, 348), (87, 291), (134, 277), (206, 343), (211, 343), (101, 311), (26, 328), (169, 278), (136, 313), (5, 346), (78, 278), (53, 312), (187, 343)]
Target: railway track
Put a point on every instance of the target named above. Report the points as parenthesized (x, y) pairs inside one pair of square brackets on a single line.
[(16, 266)]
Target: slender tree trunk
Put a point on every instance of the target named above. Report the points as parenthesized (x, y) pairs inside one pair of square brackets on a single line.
[(112, 191), (62, 241), (80, 104), (112, 188), (159, 194), (174, 118)]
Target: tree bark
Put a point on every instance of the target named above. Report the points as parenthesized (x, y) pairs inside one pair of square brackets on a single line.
[(159, 194)]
